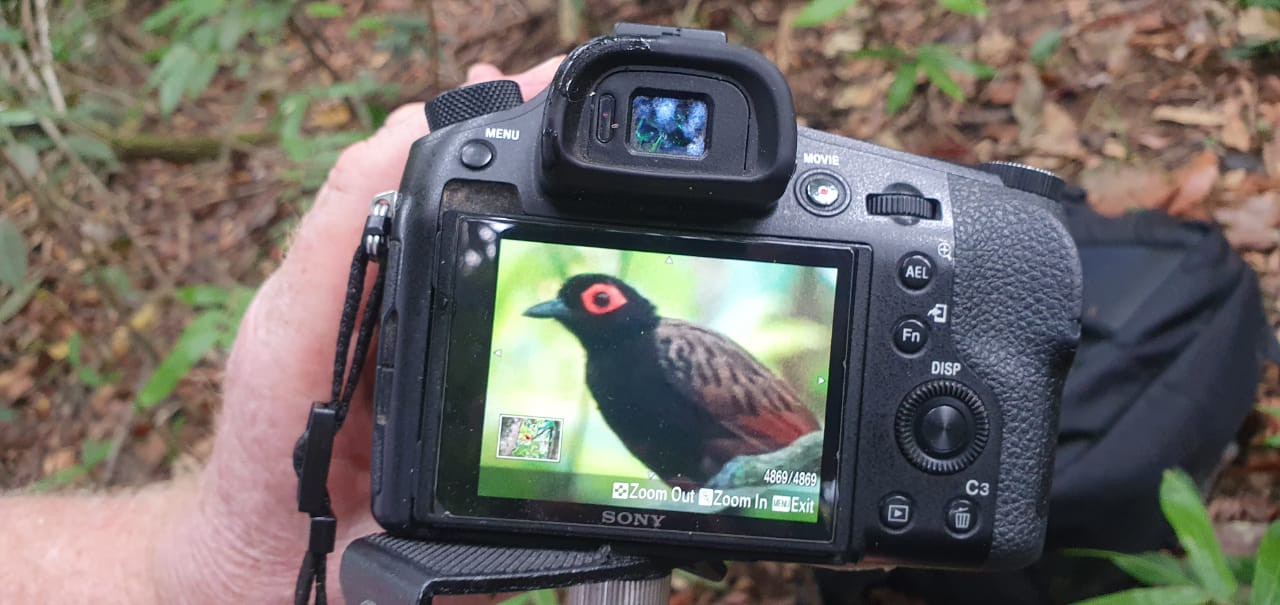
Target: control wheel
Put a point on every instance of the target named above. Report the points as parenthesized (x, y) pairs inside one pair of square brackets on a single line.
[(942, 427), (472, 102), (1026, 178)]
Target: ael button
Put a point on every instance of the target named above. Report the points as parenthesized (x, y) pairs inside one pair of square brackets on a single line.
[(910, 335), (915, 271), (476, 154), (895, 511)]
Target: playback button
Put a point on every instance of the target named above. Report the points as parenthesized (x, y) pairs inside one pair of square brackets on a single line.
[(896, 511)]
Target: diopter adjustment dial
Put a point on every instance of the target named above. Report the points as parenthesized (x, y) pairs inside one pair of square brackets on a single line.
[(472, 102), (902, 204), (942, 427)]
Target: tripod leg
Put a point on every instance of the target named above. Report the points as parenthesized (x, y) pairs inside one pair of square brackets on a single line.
[(655, 591)]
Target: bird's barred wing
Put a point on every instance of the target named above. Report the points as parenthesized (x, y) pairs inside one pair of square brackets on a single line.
[(756, 411)]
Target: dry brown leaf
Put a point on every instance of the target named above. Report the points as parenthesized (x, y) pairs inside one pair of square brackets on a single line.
[(1253, 225), (1271, 155), (1195, 180), (1028, 105), (1235, 133), (1116, 189), (1058, 135), (995, 47), (1257, 24), (1113, 148), (1187, 116)]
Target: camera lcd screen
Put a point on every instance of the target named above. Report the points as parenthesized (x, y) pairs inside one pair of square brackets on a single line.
[(632, 376), (669, 125)]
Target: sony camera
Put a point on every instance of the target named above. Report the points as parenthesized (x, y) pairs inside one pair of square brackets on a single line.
[(645, 309)]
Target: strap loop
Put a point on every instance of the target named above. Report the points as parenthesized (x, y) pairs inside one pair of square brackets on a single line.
[(314, 449)]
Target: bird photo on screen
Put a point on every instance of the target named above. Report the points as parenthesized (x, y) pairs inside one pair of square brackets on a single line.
[(682, 398)]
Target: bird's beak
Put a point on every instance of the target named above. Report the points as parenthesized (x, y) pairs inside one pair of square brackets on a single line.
[(551, 308)]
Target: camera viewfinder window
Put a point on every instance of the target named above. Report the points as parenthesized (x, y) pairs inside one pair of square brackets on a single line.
[(669, 126), (657, 381)]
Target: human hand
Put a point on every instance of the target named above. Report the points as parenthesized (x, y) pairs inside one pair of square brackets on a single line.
[(238, 536)]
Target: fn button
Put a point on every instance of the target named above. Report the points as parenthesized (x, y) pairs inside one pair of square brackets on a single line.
[(910, 335)]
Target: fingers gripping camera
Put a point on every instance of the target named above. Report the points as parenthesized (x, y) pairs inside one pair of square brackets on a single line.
[(645, 309)]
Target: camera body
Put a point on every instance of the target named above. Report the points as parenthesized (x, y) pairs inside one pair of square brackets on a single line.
[(644, 309)]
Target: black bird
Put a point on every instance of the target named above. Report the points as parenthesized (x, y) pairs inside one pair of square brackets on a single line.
[(683, 399)]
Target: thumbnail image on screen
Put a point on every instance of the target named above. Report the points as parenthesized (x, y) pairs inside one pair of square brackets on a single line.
[(657, 381), (668, 125)]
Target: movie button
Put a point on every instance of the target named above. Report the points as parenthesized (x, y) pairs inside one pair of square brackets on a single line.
[(476, 154), (944, 429), (915, 271), (823, 194), (910, 335), (895, 511), (962, 516)]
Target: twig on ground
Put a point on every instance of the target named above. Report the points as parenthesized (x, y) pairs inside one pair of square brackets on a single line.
[(44, 57)]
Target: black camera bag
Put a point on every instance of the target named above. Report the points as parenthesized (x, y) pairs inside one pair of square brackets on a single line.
[(1171, 351)]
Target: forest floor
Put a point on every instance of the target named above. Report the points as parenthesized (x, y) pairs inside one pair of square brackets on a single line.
[(1144, 102)]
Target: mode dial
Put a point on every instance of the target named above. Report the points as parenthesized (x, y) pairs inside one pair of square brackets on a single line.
[(1026, 178), (472, 102)]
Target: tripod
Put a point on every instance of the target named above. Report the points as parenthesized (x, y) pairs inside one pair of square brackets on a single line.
[(385, 570)]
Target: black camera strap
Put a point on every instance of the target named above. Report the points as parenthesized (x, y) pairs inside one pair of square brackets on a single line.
[(314, 449)]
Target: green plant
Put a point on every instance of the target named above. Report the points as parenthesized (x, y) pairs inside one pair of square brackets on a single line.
[(936, 61), (1045, 45), (92, 453), (15, 287), (205, 35), (537, 597), (220, 310), (88, 375), (1206, 575), (1274, 440)]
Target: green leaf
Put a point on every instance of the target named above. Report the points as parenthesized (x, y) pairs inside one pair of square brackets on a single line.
[(20, 116), (13, 255), (7, 415), (1273, 441), (818, 12), (965, 7), (196, 340), (938, 75), (324, 10), (24, 158), (90, 148), (369, 23), (17, 299), (1045, 45), (1184, 510), (10, 35), (1266, 575), (904, 85), (170, 76), (1152, 569), (944, 56), (203, 296), (1242, 568), (887, 53), (1162, 595)]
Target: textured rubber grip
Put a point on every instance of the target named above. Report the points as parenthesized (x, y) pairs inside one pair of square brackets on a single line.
[(388, 570), (472, 102)]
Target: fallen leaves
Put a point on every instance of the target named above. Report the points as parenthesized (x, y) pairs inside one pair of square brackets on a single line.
[(1115, 189), (1253, 225), (1187, 116)]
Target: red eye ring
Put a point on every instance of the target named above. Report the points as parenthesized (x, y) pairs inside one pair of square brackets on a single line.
[(596, 304)]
